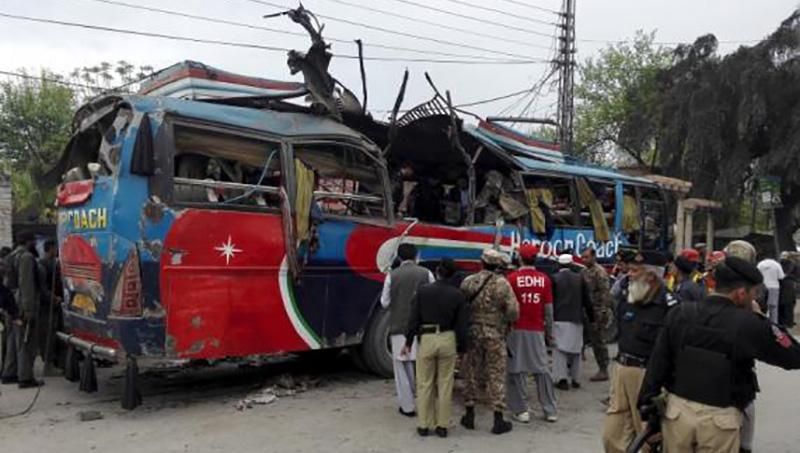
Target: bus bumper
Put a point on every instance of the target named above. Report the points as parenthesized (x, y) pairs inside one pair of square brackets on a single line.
[(88, 346)]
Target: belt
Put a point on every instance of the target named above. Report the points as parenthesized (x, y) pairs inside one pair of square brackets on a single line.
[(432, 328), (631, 360)]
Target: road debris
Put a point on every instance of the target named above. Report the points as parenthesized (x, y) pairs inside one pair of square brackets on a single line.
[(263, 396), (88, 416), (280, 387)]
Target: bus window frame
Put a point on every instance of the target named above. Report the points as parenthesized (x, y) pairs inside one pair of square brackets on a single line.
[(166, 149), (373, 154), (573, 194), (663, 229), (616, 219)]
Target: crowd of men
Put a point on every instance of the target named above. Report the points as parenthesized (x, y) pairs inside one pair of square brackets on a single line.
[(689, 333), (30, 296)]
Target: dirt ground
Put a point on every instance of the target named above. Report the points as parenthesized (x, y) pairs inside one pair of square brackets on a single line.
[(194, 411)]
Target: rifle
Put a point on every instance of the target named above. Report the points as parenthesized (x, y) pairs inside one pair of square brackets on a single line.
[(654, 412)]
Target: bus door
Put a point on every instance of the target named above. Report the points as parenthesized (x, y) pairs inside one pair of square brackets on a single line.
[(342, 218), (222, 257)]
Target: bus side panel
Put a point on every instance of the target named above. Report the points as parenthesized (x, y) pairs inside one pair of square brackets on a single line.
[(227, 289)]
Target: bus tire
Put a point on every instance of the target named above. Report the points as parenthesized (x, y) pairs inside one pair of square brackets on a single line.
[(72, 365), (375, 348), (131, 397)]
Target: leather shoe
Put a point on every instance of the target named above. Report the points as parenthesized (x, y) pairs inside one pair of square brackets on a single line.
[(9, 380), (562, 385), (601, 376), (441, 432), (423, 432), (407, 414)]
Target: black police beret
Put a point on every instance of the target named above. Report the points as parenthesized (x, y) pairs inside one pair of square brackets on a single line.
[(650, 258), (735, 270), (626, 255), (684, 265)]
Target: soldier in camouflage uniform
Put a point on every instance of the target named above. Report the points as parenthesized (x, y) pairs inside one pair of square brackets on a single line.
[(596, 279), (493, 308)]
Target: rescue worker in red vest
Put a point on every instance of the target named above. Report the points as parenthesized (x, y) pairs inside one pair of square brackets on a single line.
[(705, 359), (526, 342), (493, 307), (640, 318)]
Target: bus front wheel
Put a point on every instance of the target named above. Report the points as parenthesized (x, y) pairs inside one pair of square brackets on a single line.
[(376, 347)]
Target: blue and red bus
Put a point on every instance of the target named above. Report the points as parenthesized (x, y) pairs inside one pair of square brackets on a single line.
[(203, 231)]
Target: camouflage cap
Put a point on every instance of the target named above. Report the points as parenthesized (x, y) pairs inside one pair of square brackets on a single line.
[(495, 258)]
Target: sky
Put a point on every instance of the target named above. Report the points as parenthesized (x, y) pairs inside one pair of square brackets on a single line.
[(517, 27)]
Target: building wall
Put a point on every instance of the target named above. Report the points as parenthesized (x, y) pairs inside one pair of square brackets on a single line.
[(6, 213)]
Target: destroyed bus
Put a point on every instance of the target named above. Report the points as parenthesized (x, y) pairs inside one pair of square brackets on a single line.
[(211, 219)]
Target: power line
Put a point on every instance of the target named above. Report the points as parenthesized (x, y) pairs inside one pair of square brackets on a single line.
[(538, 8), (473, 18), (395, 32), (257, 46), (501, 12), (275, 30), (438, 24), (494, 99)]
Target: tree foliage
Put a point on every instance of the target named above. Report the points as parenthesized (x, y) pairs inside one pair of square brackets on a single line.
[(723, 121), (36, 117), (615, 91)]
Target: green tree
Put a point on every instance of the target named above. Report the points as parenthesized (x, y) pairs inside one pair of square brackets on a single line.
[(724, 122), (613, 89), (36, 118)]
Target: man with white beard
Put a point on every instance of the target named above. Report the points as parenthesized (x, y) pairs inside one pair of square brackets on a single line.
[(640, 319)]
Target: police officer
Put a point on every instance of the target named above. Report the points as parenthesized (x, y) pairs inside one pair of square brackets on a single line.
[(704, 358), (23, 280), (493, 308), (640, 318), (439, 317), (600, 294)]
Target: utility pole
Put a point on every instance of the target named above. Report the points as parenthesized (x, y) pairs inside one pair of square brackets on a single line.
[(566, 80)]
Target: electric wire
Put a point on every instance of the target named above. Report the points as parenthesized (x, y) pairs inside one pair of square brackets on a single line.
[(279, 31), (437, 24), (501, 12), (473, 18), (257, 46), (394, 32)]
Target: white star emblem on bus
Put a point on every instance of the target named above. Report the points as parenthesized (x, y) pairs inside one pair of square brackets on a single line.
[(228, 250)]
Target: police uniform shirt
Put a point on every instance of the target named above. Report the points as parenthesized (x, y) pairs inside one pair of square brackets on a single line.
[(749, 336), (640, 323)]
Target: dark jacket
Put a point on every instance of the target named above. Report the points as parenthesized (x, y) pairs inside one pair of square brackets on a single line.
[(24, 280), (443, 304), (571, 299), (639, 324), (689, 291), (717, 325)]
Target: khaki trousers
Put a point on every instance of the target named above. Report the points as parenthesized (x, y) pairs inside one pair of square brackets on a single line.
[(623, 422), (691, 427), (436, 363)]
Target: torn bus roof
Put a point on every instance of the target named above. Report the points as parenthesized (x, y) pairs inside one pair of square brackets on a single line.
[(285, 124), (532, 161), (520, 143), (196, 81)]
